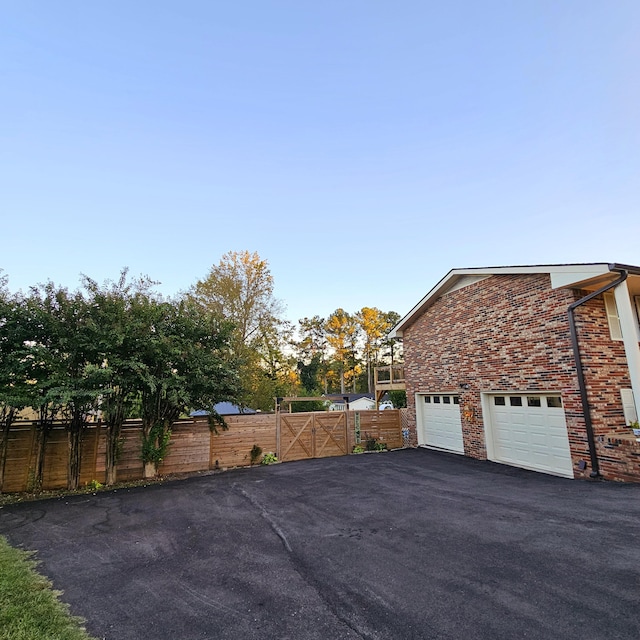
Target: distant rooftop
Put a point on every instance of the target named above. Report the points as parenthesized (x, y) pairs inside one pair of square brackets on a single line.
[(223, 409)]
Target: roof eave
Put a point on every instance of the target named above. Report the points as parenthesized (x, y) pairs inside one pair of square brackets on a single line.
[(566, 275)]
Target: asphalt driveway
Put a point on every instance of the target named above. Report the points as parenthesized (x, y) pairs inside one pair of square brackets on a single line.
[(400, 545)]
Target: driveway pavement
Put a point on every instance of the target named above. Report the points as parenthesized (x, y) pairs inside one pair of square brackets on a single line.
[(400, 545)]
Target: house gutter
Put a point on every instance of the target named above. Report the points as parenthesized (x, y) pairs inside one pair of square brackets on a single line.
[(586, 410)]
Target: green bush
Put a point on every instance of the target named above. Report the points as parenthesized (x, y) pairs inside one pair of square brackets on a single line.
[(372, 444), (398, 398), (269, 458), (255, 453)]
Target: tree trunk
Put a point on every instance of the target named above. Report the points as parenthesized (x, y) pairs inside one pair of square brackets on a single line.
[(149, 470), (75, 431), (4, 446), (41, 443), (113, 442)]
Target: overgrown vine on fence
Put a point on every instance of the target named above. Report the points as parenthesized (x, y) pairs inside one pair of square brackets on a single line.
[(155, 445)]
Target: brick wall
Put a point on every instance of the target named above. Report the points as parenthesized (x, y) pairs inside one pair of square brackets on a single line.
[(511, 333), (606, 372)]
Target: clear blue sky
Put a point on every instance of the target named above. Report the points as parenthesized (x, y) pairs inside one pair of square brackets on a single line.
[(364, 148)]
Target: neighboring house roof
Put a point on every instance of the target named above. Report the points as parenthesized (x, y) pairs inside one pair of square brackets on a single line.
[(339, 397), (577, 276), (357, 402), (223, 409)]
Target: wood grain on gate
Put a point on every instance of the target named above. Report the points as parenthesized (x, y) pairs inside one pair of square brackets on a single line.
[(312, 435)]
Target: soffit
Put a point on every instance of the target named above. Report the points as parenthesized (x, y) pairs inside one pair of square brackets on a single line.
[(577, 276)]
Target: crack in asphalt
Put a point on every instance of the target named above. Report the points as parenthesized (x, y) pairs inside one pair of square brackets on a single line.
[(299, 566), (267, 516)]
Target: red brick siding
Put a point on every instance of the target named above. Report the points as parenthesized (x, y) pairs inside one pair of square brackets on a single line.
[(606, 372), (511, 333)]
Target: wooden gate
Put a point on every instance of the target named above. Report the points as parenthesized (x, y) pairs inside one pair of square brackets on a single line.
[(312, 435)]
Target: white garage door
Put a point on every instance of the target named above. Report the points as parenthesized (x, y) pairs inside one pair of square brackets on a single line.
[(439, 423), (529, 431)]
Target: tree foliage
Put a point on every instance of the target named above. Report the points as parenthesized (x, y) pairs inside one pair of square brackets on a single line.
[(14, 385), (183, 364), (116, 349), (374, 325), (340, 353), (398, 398), (312, 355), (100, 351), (121, 328), (240, 289), (68, 378), (342, 335)]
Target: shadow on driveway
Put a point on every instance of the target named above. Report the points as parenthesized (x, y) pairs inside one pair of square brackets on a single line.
[(400, 545)]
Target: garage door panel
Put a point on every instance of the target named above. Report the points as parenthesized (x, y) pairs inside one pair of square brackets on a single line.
[(440, 422), (558, 424), (527, 431)]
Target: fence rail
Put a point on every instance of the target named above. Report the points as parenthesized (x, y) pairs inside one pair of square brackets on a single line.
[(193, 446)]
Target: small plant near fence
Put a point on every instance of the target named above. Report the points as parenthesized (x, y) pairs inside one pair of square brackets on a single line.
[(373, 444), (94, 485), (358, 449), (269, 458), (255, 453), (155, 446)]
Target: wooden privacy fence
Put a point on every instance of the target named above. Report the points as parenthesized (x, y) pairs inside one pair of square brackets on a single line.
[(295, 436)]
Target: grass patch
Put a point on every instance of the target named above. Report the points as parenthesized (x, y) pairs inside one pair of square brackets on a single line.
[(29, 608)]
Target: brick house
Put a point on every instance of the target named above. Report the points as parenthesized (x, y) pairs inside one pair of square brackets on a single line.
[(532, 366)]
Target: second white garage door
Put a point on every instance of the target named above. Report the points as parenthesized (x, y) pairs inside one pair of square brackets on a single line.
[(529, 431), (439, 423)]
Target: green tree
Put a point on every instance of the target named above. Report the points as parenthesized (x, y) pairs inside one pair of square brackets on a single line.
[(69, 378), (40, 362), (14, 365), (240, 289), (309, 373), (275, 372), (117, 309), (312, 354), (391, 348), (398, 398), (185, 365), (373, 326), (342, 335)]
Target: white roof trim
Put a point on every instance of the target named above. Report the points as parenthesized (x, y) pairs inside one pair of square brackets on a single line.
[(465, 281), (562, 275)]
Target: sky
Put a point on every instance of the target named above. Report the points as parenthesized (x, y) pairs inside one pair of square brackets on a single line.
[(362, 147)]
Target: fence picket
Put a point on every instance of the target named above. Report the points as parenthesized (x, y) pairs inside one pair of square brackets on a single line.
[(194, 447)]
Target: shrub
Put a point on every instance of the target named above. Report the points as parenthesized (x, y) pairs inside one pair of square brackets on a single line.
[(269, 458), (255, 454), (372, 444)]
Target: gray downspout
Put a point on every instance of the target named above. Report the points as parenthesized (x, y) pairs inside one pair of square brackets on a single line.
[(586, 410)]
